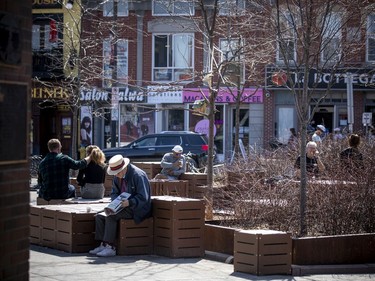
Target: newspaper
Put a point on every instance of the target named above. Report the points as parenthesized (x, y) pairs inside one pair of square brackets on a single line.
[(115, 206)]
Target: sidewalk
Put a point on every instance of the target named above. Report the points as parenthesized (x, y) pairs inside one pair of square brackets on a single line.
[(49, 264)]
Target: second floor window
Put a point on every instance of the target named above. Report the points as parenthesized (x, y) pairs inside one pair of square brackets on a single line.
[(109, 61), (231, 50), (231, 7), (122, 8), (172, 7), (331, 41), (173, 57), (370, 38), (45, 34), (286, 43)]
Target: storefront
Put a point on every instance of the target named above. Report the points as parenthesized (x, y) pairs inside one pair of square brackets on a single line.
[(52, 117), (332, 105), (251, 121)]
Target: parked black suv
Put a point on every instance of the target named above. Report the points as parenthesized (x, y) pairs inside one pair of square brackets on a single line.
[(152, 147)]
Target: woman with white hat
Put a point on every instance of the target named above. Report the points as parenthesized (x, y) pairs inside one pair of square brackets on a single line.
[(127, 178)]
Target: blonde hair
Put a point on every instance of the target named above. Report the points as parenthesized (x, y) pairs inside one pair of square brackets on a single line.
[(90, 148), (97, 156)]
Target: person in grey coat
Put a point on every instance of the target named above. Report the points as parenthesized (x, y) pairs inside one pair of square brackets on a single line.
[(127, 178), (173, 164)]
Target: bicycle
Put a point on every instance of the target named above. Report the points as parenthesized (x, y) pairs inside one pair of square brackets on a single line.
[(34, 165)]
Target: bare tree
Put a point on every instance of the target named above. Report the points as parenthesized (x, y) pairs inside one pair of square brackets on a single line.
[(314, 37)]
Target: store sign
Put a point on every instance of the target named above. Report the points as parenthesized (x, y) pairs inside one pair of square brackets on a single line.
[(362, 79), (46, 4), (164, 94), (249, 95), (94, 95), (123, 95), (49, 93)]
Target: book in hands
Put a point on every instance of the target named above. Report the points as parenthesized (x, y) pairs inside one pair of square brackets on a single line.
[(116, 205)]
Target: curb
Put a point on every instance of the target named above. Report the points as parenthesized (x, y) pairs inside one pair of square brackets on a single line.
[(300, 270)]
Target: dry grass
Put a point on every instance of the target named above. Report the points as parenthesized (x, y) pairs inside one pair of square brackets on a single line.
[(263, 193)]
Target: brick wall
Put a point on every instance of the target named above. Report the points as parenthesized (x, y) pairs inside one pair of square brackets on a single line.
[(14, 175)]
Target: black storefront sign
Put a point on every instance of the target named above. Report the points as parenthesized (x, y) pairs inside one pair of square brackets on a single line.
[(46, 4), (362, 78)]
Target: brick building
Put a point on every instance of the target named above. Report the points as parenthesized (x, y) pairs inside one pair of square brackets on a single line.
[(15, 71)]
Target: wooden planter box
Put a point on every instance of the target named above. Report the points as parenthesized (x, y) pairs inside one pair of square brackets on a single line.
[(171, 188), (68, 227), (262, 252), (151, 168), (136, 239), (337, 249), (178, 226), (196, 184)]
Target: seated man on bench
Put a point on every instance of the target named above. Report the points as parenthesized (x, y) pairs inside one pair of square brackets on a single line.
[(130, 179)]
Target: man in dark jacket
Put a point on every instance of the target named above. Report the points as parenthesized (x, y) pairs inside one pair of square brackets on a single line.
[(53, 173), (134, 181)]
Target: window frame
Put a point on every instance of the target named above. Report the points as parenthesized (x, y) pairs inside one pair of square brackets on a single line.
[(370, 36), (286, 22), (108, 7), (174, 12), (106, 67), (226, 7), (239, 57), (334, 34), (170, 71)]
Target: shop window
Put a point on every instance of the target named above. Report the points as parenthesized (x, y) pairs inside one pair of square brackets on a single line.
[(175, 120), (172, 7), (122, 8), (173, 57)]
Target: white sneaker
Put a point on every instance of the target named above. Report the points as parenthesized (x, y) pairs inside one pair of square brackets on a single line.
[(97, 249), (108, 251)]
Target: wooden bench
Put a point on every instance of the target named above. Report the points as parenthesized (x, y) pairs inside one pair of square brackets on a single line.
[(79, 200), (176, 228), (66, 227), (135, 239)]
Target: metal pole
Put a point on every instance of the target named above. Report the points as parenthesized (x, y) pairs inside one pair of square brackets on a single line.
[(349, 88), (114, 75)]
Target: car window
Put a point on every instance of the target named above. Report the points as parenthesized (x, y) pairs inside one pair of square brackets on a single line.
[(168, 140), (151, 141), (196, 140)]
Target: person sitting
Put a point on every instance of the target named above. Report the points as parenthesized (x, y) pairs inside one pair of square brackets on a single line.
[(92, 178), (314, 165), (173, 164), (53, 175), (351, 157), (127, 178)]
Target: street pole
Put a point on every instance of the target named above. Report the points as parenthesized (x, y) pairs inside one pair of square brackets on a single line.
[(115, 111), (349, 89)]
